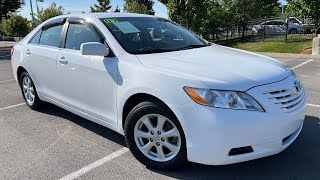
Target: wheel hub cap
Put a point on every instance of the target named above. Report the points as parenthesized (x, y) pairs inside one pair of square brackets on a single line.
[(157, 137)]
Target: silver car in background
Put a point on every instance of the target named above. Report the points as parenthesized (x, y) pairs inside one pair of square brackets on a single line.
[(275, 27)]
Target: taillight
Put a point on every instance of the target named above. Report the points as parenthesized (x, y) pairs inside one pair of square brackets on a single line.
[(12, 51)]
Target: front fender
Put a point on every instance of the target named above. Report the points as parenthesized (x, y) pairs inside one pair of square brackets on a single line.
[(163, 85)]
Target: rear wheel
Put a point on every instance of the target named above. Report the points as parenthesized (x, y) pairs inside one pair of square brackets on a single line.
[(293, 31), (155, 137), (29, 92), (261, 32)]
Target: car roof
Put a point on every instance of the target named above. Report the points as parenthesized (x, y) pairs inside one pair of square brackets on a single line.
[(104, 15)]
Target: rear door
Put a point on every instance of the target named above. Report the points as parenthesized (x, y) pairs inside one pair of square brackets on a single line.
[(269, 27), (280, 27), (41, 58), (87, 83)]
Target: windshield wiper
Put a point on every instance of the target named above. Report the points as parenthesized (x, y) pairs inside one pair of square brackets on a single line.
[(194, 46), (159, 50), (148, 51)]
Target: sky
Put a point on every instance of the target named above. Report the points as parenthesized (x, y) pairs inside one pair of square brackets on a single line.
[(77, 6)]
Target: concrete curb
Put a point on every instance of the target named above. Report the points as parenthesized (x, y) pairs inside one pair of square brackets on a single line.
[(293, 56), (7, 43)]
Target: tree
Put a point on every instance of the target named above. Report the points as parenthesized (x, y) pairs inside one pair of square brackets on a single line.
[(313, 7), (246, 10), (189, 13), (139, 6), (208, 17), (52, 11), (15, 26), (103, 6), (7, 7), (117, 9), (296, 8), (305, 8), (135, 7), (218, 17)]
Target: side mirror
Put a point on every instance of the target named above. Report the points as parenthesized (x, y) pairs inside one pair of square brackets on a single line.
[(94, 49)]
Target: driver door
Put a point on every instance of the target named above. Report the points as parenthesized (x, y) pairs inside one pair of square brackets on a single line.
[(87, 83)]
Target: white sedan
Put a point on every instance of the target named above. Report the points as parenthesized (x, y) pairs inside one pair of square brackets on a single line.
[(276, 27), (173, 95)]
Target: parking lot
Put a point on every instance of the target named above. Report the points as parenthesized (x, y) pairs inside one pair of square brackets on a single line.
[(53, 143)]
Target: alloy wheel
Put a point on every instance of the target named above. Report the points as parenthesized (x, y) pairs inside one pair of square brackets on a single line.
[(28, 90), (157, 137)]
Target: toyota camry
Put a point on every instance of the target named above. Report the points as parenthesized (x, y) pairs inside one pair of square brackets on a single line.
[(176, 97)]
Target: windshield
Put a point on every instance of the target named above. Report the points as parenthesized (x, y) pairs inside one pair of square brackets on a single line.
[(144, 35)]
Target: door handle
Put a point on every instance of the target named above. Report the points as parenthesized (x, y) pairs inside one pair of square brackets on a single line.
[(28, 52), (63, 61)]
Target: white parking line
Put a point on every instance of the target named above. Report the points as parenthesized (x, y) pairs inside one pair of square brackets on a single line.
[(7, 80), (95, 164), (9, 107), (313, 105), (304, 63)]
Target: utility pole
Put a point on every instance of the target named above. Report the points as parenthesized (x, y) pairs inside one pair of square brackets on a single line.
[(38, 11), (32, 15), (37, 7)]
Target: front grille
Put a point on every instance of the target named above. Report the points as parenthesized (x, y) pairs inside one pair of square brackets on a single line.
[(287, 99)]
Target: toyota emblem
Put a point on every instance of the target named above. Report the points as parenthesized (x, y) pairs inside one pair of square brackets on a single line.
[(297, 86)]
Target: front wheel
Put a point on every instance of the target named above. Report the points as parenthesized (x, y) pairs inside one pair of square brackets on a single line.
[(293, 31), (155, 137), (29, 92)]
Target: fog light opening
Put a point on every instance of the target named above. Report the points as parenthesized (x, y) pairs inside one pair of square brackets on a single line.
[(240, 150)]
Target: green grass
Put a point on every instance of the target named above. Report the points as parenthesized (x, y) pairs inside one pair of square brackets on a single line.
[(274, 47)]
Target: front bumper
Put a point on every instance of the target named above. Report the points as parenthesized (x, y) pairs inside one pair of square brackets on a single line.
[(211, 133)]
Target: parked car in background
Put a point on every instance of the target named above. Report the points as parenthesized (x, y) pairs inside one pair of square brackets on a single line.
[(275, 27)]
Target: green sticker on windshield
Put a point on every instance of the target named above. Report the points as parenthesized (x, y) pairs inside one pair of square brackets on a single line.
[(110, 20)]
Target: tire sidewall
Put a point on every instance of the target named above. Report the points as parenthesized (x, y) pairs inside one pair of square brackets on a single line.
[(153, 108), (260, 32), (293, 31), (37, 102)]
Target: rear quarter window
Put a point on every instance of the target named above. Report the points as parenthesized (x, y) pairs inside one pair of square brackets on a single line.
[(36, 38)]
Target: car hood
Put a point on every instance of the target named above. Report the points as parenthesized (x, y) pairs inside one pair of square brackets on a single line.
[(219, 67)]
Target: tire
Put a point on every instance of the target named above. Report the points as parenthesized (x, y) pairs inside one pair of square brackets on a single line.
[(28, 90), (156, 111), (293, 31), (261, 32)]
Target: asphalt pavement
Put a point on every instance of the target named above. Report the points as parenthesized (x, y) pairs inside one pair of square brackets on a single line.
[(53, 143)]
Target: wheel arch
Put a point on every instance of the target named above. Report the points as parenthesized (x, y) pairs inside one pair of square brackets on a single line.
[(20, 70), (134, 100), (294, 28)]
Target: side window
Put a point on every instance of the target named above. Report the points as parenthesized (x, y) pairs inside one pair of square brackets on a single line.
[(80, 33), (36, 38), (51, 36), (279, 23)]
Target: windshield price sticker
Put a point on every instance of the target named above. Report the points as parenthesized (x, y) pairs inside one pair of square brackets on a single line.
[(126, 27), (110, 20)]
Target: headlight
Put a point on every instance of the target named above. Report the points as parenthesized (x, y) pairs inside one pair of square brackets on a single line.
[(223, 99)]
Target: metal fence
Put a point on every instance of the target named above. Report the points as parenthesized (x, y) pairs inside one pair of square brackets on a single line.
[(288, 29)]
